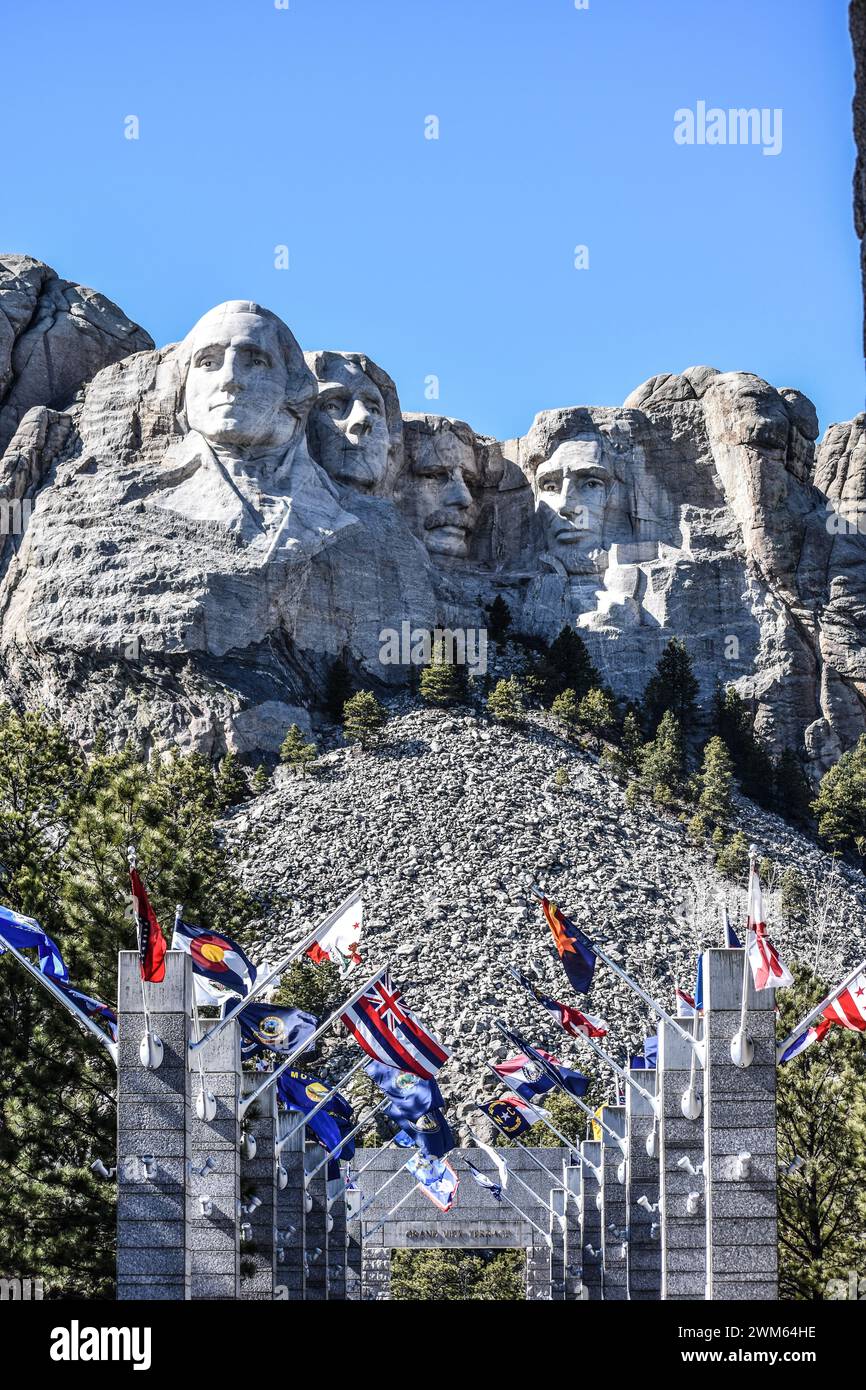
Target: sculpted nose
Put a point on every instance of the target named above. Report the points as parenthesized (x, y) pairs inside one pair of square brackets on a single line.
[(227, 377), (360, 421), (456, 493)]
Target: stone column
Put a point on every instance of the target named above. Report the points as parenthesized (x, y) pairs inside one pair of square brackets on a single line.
[(290, 1212), (213, 1235), (538, 1271), (153, 1256), (375, 1269), (739, 1120), (556, 1227), (642, 1180), (337, 1239), (590, 1222), (614, 1216), (258, 1179), (315, 1228), (681, 1146), (573, 1251)]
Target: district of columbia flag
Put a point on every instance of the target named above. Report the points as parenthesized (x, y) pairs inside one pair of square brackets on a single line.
[(685, 1004), (768, 971), (573, 947), (382, 1025), (339, 935), (151, 942), (846, 1010)]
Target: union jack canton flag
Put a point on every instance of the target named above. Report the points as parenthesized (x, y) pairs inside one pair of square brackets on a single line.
[(381, 1024)]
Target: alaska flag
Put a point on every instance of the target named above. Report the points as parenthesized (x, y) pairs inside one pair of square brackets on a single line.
[(506, 1117), (302, 1092), (280, 1029), (431, 1133), (94, 1008), (216, 957), (575, 950), (25, 934), (410, 1096)]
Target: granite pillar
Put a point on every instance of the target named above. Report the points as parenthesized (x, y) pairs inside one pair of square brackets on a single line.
[(642, 1180), (681, 1152), (590, 1220), (614, 1216), (289, 1238), (258, 1183)]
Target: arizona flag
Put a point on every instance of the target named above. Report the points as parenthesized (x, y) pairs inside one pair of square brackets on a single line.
[(768, 972), (574, 949), (847, 1010), (381, 1024), (215, 957), (151, 942), (338, 937)]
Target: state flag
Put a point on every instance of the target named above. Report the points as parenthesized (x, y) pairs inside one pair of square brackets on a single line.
[(339, 936), (574, 948), (410, 1096), (388, 1032), (151, 942), (768, 971), (25, 934), (278, 1029), (571, 1021), (436, 1178), (215, 957)]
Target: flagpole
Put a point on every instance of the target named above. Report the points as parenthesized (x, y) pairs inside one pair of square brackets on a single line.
[(247, 1101), (364, 1166), (206, 1101), (545, 1235), (617, 970), (533, 1194), (566, 1143), (396, 1207), (58, 994), (801, 1027), (742, 1047), (362, 1124), (387, 1183), (308, 1115), (259, 986), (525, 1147), (579, 1102), (151, 1044)]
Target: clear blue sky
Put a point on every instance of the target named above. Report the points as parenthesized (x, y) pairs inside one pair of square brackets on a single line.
[(453, 257)]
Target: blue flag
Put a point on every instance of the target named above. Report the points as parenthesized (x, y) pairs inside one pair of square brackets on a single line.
[(436, 1178), (410, 1096), (506, 1117), (301, 1092), (647, 1060), (699, 987), (25, 934), (94, 1008), (573, 946), (279, 1029), (573, 1081), (431, 1133)]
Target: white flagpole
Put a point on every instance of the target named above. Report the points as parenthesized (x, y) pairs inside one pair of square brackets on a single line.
[(261, 985), (396, 1207), (801, 1027), (67, 1003), (566, 1143), (632, 984), (362, 1124), (545, 1235), (247, 1101), (364, 1166), (578, 1101), (308, 1115), (151, 1044), (387, 1183), (533, 1194), (742, 1047)]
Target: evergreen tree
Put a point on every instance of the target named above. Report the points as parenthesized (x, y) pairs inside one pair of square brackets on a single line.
[(732, 858), (498, 619), (505, 702), (794, 896), (296, 752), (260, 780), (442, 682), (596, 714), (661, 761), (821, 1118), (752, 763), (840, 806), (364, 719), (673, 687), (564, 710), (339, 688), (424, 1276), (715, 782), (561, 779), (792, 792), (569, 666), (631, 740), (232, 784)]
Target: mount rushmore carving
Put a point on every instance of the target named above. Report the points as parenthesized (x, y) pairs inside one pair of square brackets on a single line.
[(206, 526)]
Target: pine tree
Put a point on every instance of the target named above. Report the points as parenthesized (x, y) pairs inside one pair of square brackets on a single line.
[(441, 1276), (792, 792), (661, 761), (498, 619), (505, 702), (673, 687), (716, 781), (296, 752), (631, 740), (596, 714), (339, 688), (569, 665), (442, 682), (732, 858), (564, 710), (840, 806), (260, 780), (364, 719), (232, 784), (752, 763), (794, 896), (561, 779)]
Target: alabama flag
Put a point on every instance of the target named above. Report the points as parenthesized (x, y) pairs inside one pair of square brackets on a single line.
[(847, 1010), (338, 937), (768, 972)]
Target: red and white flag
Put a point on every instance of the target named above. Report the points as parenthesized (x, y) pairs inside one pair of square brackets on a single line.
[(685, 1004), (847, 1009), (768, 971), (381, 1024), (580, 1025), (151, 942), (338, 937)]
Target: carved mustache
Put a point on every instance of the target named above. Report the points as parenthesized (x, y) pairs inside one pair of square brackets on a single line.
[(447, 518)]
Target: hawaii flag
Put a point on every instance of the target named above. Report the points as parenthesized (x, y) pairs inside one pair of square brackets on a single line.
[(381, 1024), (847, 1010), (338, 937), (151, 942), (768, 972)]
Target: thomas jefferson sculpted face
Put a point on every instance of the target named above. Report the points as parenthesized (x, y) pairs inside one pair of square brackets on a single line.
[(572, 489), (245, 393), (349, 428)]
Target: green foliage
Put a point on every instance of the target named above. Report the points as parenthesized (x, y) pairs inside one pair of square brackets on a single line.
[(442, 682), (296, 752), (715, 781), (661, 762), (794, 896), (596, 714), (505, 701), (435, 1276), (672, 688), (564, 709), (840, 806), (498, 619), (561, 779), (631, 740), (732, 858), (260, 780), (792, 791), (364, 719), (232, 784), (821, 1132), (568, 665), (752, 763), (65, 824)]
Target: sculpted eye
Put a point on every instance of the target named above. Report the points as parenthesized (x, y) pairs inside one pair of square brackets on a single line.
[(260, 361), (334, 407)]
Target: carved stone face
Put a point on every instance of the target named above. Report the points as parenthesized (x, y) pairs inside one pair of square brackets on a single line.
[(572, 489), (348, 428), (238, 384), (446, 479)]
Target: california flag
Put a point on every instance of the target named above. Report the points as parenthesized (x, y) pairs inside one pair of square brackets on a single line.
[(337, 938)]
